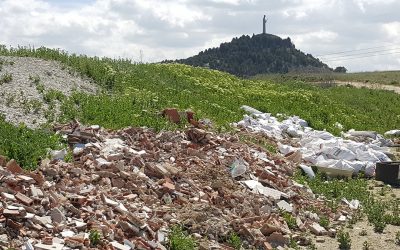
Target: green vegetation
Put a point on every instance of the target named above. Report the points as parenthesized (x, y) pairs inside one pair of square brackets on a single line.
[(344, 240), (135, 93), (94, 237), (24, 145), (324, 221), (235, 241), (378, 77), (397, 239), (248, 56), (5, 78), (180, 240), (290, 220), (366, 245)]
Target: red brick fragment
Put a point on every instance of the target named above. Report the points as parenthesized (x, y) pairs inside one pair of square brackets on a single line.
[(172, 114), (24, 199), (13, 167)]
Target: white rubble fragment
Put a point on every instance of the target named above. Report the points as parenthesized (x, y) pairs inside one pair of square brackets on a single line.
[(394, 132), (119, 246), (257, 187), (285, 206)]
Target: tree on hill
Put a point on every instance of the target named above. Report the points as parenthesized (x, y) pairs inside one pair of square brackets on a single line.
[(340, 69), (258, 54)]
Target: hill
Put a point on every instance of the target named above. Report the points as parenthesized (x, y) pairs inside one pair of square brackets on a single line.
[(156, 187), (259, 54)]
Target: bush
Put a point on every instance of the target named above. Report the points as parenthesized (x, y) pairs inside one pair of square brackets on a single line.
[(25, 145)]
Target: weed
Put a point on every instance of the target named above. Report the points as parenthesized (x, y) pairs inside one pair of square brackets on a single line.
[(363, 232), (180, 240), (35, 79), (94, 237), (397, 238), (366, 245), (40, 88), (25, 145), (290, 219), (234, 241), (69, 157), (293, 244), (324, 221), (344, 240), (312, 246), (53, 95), (5, 78)]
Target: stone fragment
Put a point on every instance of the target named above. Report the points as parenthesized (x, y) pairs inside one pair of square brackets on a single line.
[(285, 206), (316, 229), (56, 215), (54, 246), (8, 196), (155, 170), (35, 192), (119, 246)]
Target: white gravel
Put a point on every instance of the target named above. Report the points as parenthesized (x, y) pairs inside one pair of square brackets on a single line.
[(19, 97)]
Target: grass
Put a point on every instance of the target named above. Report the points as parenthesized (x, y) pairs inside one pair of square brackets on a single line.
[(377, 77), (133, 94)]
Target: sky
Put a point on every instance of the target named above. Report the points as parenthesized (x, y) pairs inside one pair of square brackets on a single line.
[(362, 35)]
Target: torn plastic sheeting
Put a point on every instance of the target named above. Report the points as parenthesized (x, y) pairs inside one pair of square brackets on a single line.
[(308, 170), (336, 172), (257, 187), (339, 153)]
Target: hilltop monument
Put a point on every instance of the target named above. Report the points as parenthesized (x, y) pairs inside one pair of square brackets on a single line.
[(265, 19)]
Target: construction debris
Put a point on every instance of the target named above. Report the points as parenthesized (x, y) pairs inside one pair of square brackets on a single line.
[(336, 156), (129, 187)]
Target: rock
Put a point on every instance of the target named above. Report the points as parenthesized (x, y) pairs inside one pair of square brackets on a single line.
[(119, 246), (277, 239), (316, 229), (285, 206), (57, 216)]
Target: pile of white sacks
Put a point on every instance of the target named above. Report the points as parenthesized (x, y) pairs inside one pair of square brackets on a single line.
[(321, 148)]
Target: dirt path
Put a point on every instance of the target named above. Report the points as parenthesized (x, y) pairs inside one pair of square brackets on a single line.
[(396, 89)]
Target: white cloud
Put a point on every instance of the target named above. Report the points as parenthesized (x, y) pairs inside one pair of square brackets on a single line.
[(168, 29)]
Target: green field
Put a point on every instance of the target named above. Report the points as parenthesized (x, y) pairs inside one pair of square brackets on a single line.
[(134, 94), (378, 77)]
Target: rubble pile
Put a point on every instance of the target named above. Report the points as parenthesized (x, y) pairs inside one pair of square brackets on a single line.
[(353, 152), (129, 187)]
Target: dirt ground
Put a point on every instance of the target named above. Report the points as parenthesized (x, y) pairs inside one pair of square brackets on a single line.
[(396, 89), (376, 241)]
